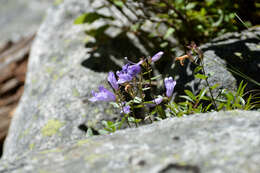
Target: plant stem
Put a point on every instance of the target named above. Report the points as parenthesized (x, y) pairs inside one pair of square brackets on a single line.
[(210, 90)]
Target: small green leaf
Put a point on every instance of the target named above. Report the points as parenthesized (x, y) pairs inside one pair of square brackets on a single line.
[(191, 5), (202, 93), (187, 98), (115, 105), (168, 33), (144, 89), (119, 3), (190, 94), (156, 77), (137, 100), (164, 44), (214, 86), (197, 69), (89, 18), (201, 76)]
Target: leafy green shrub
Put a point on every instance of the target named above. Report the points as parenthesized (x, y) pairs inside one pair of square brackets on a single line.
[(186, 20)]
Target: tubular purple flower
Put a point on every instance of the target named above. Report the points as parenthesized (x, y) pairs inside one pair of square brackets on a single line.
[(156, 101), (103, 95), (112, 80), (169, 85), (122, 78), (127, 73), (157, 56), (133, 70), (126, 109)]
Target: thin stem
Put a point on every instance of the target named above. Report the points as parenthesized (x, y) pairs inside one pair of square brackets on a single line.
[(210, 90)]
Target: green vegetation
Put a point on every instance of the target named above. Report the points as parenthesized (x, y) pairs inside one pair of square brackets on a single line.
[(136, 91)]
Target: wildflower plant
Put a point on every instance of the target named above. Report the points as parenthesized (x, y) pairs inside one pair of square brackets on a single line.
[(136, 95), (134, 89)]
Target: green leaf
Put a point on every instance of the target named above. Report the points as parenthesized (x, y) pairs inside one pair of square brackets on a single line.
[(191, 5), (201, 76), (144, 89), (89, 132), (214, 86), (137, 100), (190, 94), (89, 18), (197, 69), (161, 112), (119, 3), (187, 98), (164, 44), (202, 93), (168, 33), (156, 77)]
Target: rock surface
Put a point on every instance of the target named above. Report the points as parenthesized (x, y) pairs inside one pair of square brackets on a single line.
[(21, 17), (201, 143), (238, 53), (225, 58), (62, 73)]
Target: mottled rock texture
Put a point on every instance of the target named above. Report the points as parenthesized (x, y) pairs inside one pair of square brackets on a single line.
[(21, 17), (201, 143), (62, 72)]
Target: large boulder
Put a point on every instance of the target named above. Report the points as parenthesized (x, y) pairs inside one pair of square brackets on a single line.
[(63, 71), (52, 110), (202, 143)]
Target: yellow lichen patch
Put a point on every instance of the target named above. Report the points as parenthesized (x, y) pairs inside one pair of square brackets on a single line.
[(31, 146), (57, 150), (75, 92), (52, 127), (94, 157), (57, 2), (82, 142)]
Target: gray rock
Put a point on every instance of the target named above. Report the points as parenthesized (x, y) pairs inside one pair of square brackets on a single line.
[(52, 107), (232, 54), (62, 73), (21, 17), (225, 57), (202, 143)]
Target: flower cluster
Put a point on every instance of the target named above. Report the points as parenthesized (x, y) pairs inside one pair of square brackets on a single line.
[(128, 85)]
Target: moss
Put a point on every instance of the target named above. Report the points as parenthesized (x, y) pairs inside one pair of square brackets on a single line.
[(51, 128)]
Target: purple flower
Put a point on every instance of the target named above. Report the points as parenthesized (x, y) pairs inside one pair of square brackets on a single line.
[(103, 95), (169, 85), (157, 56), (112, 80), (127, 73), (156, 101), (126, 109), (122, 78), (134, 70)]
